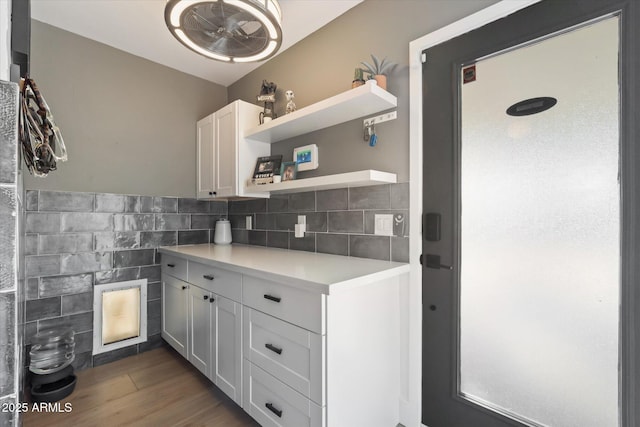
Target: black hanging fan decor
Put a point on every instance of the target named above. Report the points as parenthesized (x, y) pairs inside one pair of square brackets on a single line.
[(227, 30)]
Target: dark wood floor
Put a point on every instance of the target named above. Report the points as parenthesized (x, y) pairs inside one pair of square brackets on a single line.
[(156, 388)]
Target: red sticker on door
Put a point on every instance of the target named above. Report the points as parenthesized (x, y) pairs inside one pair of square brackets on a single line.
[(469, 74)]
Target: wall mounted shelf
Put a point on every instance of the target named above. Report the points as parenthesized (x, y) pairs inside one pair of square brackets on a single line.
[(352, 104), (327, 182)]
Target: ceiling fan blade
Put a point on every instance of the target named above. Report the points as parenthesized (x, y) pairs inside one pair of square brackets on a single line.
[(207, 23), (221, 44)]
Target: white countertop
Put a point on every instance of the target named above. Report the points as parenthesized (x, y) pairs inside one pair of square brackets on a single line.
[(314, 271)]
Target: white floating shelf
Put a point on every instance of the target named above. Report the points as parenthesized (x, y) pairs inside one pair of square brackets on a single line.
[(327, 182), (352, 104)]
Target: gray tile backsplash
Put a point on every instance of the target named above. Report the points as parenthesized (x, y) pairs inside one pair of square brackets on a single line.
[(337, 244), (340, 221), (332, 200), (78, 303), (133, 222), (159, 204), (65, 202), (346, 221), (110, 203), (302, 201), (374, 197), (63, 285), (377, 247), (77, 240)]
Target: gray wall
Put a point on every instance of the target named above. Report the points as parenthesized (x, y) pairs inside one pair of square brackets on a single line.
[(77, 240), (322, 65), (339, 222), (128, 123)]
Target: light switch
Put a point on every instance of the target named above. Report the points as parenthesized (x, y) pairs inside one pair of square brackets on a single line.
[(383, 224)]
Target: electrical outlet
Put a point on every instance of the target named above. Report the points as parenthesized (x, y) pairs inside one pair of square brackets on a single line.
[(383, 224)]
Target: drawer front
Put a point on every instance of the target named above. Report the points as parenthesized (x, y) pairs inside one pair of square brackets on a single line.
[(289, 353), (302, 308), (219, 281), (272, 403), (174, 266)]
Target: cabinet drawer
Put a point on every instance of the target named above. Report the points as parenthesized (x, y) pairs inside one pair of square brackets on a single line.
[(272, 403), (216, 280), (302, 308), (174, 266), (291, 354)]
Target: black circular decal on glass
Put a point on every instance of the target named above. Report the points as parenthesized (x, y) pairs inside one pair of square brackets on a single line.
[(531, 106)]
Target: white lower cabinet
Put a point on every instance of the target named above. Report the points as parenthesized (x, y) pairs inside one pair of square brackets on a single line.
[(200, 315), (284, 350), (273, 403), (206, 329), (226, 348), (291, 357), (175, 317), (288, 352)]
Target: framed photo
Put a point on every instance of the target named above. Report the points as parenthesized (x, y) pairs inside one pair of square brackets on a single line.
[(266, 167), (288, 171)]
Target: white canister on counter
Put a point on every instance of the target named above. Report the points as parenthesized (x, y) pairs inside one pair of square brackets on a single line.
[(222, 233)]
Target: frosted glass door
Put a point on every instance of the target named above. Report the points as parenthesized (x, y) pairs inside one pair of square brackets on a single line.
[(540, 232)]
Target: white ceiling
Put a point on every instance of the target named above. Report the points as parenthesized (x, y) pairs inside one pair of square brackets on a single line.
[(137, 27)]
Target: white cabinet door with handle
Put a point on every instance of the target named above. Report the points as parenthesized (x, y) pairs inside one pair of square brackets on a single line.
[(227, 347), (174, 313), (200, 313)]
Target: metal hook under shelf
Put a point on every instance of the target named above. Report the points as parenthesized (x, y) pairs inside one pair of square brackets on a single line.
[(369, 131)]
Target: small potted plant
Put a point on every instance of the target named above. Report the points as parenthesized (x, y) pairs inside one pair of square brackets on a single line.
[(378, 70), (358, 78)]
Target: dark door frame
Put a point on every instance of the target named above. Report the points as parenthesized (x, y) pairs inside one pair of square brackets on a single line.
[(630, 297)]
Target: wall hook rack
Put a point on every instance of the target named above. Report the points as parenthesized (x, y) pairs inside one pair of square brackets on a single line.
[(369, 126)]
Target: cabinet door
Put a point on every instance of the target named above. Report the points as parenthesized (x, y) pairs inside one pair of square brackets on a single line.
[(226, 137), (227, 347), (205, 153), (200, 310), (174, 313)]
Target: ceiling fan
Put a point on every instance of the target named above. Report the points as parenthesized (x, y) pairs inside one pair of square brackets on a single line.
[(227, 30)]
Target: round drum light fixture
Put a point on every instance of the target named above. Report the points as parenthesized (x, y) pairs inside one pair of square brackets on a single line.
[(227, 30)]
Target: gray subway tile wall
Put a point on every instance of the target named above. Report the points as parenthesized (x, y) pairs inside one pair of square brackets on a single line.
[(77, 240), (340, 221)]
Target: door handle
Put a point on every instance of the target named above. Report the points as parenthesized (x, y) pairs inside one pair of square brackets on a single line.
[(433, 261), (272, 298), (273, 409), (273, 348)]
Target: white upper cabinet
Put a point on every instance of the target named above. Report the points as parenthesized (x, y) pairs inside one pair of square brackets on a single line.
[(225, 159), (204, 151)]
